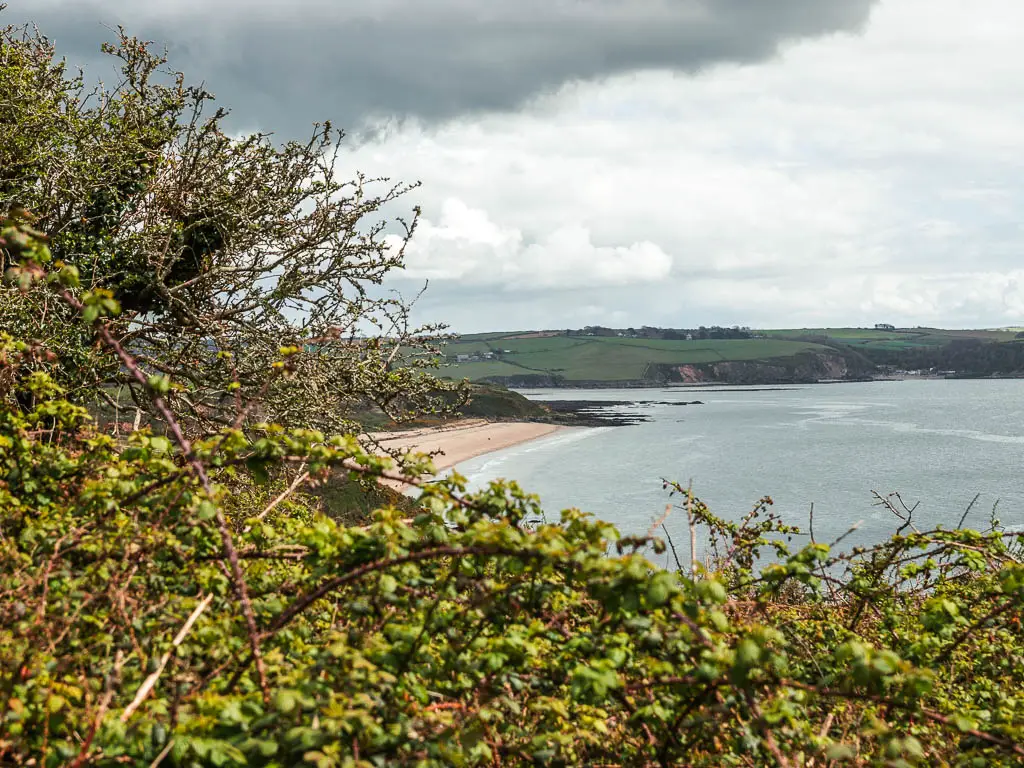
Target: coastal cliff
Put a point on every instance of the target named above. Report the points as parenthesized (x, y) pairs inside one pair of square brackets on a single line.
[(803, 368)]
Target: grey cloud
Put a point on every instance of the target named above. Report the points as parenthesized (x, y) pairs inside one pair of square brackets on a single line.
[(282, 67)]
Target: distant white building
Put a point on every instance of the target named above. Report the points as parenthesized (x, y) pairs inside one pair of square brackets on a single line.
[(884, 327)]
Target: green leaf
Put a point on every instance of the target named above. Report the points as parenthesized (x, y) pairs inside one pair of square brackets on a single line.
[(285, 701), (748, 653), (266, 747), (159, 384), (657, 592), (160, 444), (712, 591), (55, 703), (963, 722), (840, 752), (206, 510)]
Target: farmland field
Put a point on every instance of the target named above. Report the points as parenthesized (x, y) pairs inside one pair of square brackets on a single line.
[(583, 358), (481, 370), (601, 358), (901, 338)]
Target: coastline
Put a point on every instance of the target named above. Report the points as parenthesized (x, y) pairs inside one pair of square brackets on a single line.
[(464, 440)]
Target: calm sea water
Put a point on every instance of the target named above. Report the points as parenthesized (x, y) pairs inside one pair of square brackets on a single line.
[(936, 442)]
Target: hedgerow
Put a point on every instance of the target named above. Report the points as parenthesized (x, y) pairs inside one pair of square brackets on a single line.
[(151, 613), (178, 595)]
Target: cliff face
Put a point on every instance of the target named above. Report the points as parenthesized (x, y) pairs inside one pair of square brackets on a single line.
[(805, 368), (801, 369)]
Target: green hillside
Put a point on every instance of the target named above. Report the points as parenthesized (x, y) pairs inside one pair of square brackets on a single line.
[(898, 339), (601, 358), (604, 355)]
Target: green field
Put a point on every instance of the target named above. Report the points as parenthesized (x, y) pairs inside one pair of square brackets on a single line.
[(581, 358), (490, 335), (901, 338), (599, 358), (478, 371)]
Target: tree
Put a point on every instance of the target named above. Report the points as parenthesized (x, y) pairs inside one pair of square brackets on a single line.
[(219, 250)]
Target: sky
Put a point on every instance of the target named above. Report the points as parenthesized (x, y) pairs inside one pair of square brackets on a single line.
[(771, 163)]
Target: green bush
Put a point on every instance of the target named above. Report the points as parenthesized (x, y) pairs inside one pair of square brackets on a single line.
[(178, 597), (177, 602)]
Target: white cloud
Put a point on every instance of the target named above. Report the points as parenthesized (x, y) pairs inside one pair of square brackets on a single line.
[(465, 245), (855, 179)]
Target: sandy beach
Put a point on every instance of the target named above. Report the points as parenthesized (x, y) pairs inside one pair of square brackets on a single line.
[(464, 440)]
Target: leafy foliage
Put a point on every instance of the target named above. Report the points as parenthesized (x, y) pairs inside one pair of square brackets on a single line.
[(177, 597), (219, 250), (151, 612)]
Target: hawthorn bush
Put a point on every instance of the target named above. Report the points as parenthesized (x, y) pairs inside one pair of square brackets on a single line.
[(209, 242), (168, 601)]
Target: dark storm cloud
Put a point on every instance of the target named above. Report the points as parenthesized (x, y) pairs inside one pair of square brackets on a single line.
[(285, 65)]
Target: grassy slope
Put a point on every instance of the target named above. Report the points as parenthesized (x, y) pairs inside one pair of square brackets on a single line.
[(596, 358), (488, 401), (351, 501), (489, 336), (899, 339)]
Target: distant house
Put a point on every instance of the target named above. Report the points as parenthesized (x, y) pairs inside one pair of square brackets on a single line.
[(475, 357), (884, 327)]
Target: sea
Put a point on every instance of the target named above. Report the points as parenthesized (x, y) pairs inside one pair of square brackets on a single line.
[(945, 446)]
